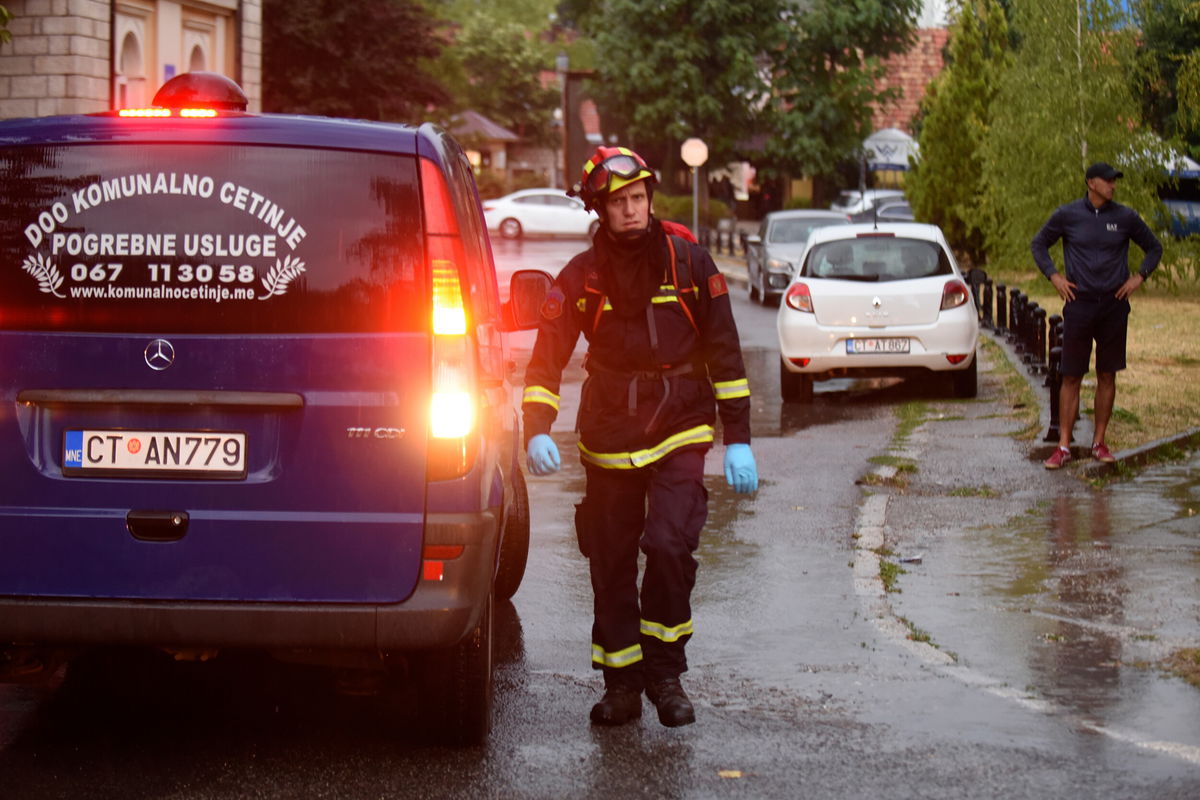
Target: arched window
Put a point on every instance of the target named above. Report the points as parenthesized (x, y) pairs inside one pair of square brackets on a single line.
[(197, 61), (131, 71)]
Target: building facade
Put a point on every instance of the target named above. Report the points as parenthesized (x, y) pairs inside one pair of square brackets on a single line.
[(83, 56)]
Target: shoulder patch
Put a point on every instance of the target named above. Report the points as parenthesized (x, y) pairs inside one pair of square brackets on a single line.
[(717, 285), (552, 306)]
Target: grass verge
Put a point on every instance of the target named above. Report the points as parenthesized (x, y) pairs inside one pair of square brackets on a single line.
[(1158, 394)]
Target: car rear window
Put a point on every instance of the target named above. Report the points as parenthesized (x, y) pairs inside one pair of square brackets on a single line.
[(212, 239), (876, 258), (797, 230)]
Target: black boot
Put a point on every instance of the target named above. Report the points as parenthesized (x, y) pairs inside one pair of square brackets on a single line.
[(619, 705), (674, 708)]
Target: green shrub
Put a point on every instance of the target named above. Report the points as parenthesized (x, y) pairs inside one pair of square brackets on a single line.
[(679, 209)]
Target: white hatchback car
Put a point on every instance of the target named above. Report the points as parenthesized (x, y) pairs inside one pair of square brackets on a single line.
[(877, 300), (539, 212)]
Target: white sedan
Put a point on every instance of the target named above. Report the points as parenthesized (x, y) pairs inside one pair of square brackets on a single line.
[(877, 300), (539, 212)]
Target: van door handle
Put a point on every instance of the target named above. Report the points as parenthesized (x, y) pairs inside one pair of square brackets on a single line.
[(157, 526)]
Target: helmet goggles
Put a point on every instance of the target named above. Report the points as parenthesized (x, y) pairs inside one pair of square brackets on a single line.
[(625, 168)]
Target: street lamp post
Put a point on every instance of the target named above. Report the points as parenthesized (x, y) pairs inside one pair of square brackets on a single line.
[(562, 64), (694, 153)]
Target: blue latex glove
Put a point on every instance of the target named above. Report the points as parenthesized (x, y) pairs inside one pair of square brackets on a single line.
[(542, 455), (740, 469)]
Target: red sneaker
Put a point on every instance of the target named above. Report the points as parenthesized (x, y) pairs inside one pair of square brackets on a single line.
[(1060, 456), (1100, 452)]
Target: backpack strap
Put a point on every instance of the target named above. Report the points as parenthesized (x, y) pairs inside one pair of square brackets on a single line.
[(681, 264)]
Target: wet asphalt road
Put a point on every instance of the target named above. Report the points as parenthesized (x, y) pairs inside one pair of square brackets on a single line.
[(1043, 601)]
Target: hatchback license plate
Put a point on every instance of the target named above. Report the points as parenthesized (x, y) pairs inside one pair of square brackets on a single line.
[(860, 346), (203, 454)]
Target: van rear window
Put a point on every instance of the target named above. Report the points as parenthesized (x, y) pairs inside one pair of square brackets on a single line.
[(209, 239)]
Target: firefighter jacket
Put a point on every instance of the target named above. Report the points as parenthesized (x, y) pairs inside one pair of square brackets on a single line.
[(655, 381)]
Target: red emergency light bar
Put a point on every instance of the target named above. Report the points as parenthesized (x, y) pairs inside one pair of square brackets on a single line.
[(194, 113)]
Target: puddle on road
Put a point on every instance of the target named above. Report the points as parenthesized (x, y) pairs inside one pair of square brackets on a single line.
[(1075, 600)]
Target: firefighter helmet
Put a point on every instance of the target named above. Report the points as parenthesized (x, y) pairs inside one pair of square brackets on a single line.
[(610, 169)]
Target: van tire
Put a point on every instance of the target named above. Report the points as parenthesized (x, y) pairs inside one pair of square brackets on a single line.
[(794, 387), (457, 682), (514, 546)]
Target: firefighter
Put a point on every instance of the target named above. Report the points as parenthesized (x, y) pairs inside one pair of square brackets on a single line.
[(663, 359)]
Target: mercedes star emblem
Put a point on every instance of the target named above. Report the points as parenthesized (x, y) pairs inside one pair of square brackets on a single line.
[(159, 355)]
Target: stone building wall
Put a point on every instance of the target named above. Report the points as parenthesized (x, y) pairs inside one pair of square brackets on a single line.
[(62, 59)]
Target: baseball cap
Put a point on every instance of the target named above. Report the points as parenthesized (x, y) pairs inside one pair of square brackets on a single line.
[(1102, 170)]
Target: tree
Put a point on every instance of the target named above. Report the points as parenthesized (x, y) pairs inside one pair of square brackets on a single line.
[(499, 65), (1064, 103), (945, 185), (668, 70), (5, 18), (363, 59), (824, 72), (1167, 78)]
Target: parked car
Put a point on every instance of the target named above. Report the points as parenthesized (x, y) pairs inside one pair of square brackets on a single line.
[(1184, 217), (887, 211), (258, 397), (854, 201), (773, 253), (877, 300), (539, 212)]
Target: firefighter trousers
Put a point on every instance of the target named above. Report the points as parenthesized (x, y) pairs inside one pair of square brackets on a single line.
[(639, 637)]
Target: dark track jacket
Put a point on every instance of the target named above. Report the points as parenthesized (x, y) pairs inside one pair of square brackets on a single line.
[(641, 403), (1096, 245)]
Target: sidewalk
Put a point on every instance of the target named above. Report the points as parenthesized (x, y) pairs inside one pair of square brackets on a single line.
[(1033, 585)]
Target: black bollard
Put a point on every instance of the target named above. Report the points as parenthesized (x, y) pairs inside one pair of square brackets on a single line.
[(988, 320), (1053, 339), (1055, 383), (1029, 336), (1039, 343), (1001, 308), (1016, 317)]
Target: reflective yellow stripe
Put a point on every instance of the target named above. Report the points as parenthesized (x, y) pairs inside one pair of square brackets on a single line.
[(664, 633), (666, 294), (727, 390), (697, 435), (540, 394), (621, 658)]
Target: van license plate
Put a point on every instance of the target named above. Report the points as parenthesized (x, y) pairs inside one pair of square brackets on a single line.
[(200, 454), (857, 346)]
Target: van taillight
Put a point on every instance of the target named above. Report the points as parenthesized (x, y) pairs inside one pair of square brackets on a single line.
[(453, 401)]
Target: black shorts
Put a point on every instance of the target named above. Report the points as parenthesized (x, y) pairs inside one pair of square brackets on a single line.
[(1103, 319)]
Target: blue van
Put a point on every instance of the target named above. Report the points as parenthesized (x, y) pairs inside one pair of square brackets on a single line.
[(254, 393)]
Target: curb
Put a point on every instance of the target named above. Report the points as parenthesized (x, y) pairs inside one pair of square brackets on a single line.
[(733, 268)]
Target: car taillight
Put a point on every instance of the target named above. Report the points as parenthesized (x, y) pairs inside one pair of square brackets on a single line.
[(955, 294), (454, 394), (798, 297)]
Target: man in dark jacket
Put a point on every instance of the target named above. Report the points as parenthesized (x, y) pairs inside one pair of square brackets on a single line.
[(1095, 232), (663, 358)]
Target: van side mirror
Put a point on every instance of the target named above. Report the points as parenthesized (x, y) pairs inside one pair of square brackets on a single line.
[(526, 293)]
